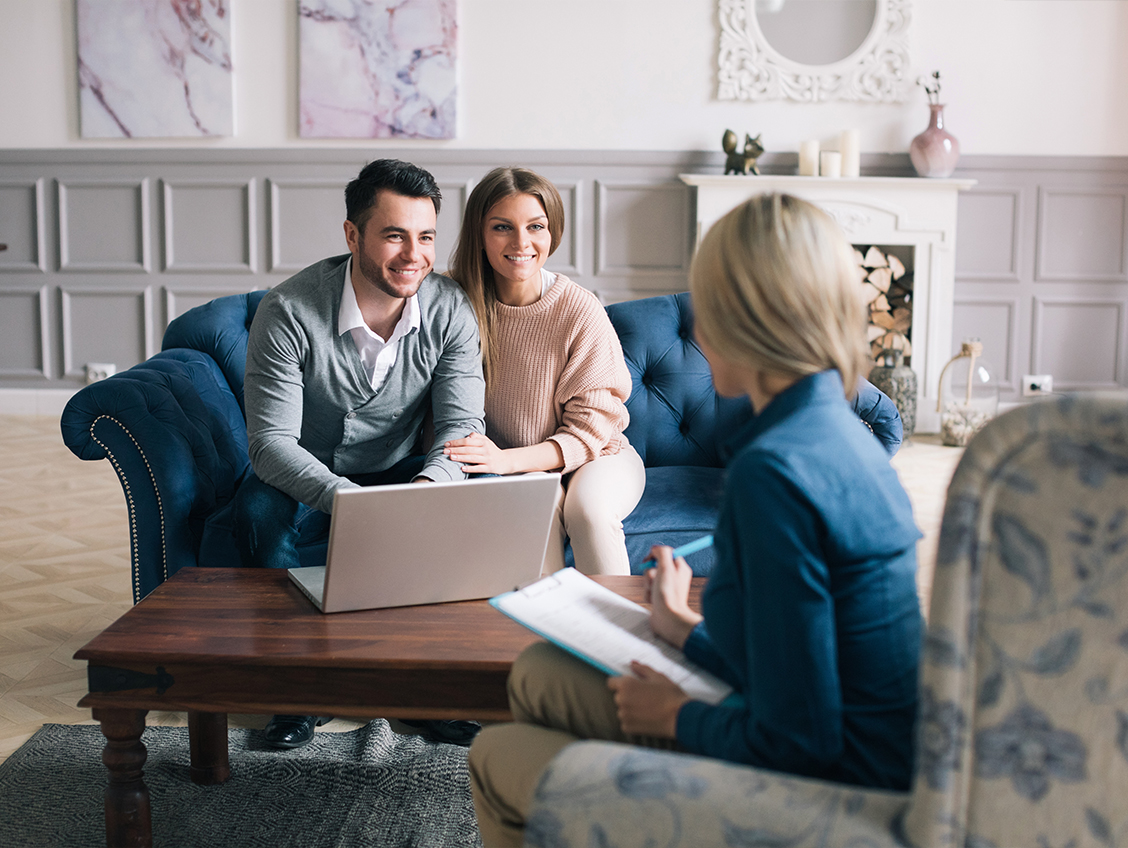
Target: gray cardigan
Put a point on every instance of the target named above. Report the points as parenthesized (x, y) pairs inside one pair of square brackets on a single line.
[(312, 416)]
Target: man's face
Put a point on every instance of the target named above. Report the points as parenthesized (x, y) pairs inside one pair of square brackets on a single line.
[(395, 251)]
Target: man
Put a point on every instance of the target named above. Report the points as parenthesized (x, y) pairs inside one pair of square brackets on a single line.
[(345, 361)]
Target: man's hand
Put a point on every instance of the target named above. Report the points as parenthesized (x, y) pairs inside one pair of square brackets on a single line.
[(648, 703), (670, 613), (479, 455)]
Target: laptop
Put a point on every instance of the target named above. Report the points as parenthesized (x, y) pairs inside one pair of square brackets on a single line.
[(428, 543)]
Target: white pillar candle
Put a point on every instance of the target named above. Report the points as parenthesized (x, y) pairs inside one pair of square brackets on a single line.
[(809, 159), (830, 163), (850, 148)]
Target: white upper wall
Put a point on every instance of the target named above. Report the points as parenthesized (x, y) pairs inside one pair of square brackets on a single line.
[(1034, 77)]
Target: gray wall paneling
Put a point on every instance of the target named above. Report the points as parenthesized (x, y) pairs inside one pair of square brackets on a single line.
[(107, 246), (1042, 269)]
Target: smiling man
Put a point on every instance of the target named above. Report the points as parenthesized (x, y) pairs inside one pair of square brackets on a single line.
[(345, 362)]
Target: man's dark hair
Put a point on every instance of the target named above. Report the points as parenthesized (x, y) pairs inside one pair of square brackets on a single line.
[(392, 175)]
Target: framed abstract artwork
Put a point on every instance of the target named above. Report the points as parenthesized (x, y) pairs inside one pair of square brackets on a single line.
[(377, 68), (154, 68)]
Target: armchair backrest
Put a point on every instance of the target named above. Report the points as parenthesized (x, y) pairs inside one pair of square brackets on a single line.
[(676, 416), (219, 328), (1023, 726)]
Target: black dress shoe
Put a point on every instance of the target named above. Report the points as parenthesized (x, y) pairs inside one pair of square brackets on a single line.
[(291, 731), (454, 732)]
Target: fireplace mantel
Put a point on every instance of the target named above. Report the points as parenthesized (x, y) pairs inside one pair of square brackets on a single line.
[(920, 213)]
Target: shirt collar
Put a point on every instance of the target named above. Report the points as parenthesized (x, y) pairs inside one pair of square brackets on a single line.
[(350, 318)]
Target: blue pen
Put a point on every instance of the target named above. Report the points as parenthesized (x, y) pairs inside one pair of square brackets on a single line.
[(686, 549)]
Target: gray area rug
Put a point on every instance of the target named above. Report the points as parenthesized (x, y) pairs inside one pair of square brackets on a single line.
[(370, 786)]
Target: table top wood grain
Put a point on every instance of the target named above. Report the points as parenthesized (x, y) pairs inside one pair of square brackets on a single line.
[(248, 640)]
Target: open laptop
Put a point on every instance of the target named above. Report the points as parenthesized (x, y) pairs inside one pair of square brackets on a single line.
[(427, 543)]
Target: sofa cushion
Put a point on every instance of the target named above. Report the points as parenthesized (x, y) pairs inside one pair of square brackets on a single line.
[(679, 505)]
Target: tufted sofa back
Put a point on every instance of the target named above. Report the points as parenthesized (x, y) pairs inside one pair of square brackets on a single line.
[(676, 416), (220, 329)]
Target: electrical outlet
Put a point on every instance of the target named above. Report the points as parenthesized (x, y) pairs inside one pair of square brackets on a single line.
[(96, 371), (1034, 385)]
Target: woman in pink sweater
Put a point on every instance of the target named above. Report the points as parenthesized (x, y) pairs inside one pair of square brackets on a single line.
[(556, 381)]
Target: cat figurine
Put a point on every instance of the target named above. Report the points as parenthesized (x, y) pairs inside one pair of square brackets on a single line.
[(741, 163)]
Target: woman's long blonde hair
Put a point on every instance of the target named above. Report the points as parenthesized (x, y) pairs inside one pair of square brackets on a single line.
[(775, 287), (469, 266)]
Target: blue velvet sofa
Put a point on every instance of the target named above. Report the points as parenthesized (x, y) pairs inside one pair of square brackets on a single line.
[(174, 429)]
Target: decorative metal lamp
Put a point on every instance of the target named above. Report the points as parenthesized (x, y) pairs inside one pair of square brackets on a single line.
[(971, 398)]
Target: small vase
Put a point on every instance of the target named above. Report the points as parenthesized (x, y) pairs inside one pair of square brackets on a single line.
[(899, 381), (935, 151)]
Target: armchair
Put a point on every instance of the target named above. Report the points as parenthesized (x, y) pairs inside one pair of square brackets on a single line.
[(1023, 728)]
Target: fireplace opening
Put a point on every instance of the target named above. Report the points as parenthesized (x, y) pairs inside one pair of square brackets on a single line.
[(886, 275)]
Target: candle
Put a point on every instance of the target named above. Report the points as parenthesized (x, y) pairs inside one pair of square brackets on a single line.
[(830, 163), (809, 159), (850, 148)]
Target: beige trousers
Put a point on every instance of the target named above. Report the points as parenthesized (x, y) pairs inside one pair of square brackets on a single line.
[(599, 495), (555, 699)]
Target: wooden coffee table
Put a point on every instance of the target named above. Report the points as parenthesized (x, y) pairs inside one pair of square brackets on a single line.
[(213, 641)]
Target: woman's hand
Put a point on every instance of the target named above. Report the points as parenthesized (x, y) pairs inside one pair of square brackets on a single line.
[(479, 455), (648, 703), (670, 613)]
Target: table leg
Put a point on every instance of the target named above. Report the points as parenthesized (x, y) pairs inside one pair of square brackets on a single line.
[(207, 739), (129, 822)]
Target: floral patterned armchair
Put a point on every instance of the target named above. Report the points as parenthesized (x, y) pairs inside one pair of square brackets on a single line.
[(1023, 731)]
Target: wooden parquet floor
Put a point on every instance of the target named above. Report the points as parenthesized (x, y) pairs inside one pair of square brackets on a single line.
[(64, 567)]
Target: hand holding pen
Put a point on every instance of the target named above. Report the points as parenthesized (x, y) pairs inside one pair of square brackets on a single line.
[(670, 576)]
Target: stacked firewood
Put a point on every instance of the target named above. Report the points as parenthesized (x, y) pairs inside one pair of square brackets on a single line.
[(888, 288)]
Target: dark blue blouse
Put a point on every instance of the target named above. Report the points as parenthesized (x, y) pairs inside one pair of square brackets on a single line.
[(811, 612)]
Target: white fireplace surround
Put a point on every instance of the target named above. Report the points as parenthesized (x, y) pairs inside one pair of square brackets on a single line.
[(920, 213)]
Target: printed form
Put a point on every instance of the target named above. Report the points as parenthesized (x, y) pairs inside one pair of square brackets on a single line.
[(605, 629)]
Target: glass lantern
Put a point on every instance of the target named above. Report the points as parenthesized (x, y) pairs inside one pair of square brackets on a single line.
[(968, 395)]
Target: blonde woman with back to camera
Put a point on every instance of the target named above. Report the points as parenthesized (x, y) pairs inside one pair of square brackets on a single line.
[(811, 611), (556, 380)]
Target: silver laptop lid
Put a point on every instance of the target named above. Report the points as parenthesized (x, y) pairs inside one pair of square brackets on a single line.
[(425, 543)]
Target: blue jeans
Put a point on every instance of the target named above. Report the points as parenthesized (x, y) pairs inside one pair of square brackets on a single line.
[(268, 523)]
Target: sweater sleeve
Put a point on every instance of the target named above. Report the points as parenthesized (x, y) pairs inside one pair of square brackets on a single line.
[(457, 389), (791, 717), (592, 391), (273, 392)]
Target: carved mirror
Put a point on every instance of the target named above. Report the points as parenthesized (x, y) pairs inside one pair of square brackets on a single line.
[(813, 50)]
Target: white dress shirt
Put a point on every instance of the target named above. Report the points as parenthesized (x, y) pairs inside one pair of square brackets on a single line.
[(377, 355)]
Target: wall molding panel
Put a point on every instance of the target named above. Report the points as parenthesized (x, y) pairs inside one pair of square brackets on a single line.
[(27, 243), (104, 225), (85, 315), (25, 332), (1042, 248), (210, 226), (994, 321), (636, 233), (989, 250), (1083, 234), (1083, 338)]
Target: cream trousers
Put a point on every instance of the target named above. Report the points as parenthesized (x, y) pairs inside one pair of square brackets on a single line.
[(555, 699), (599, 495)]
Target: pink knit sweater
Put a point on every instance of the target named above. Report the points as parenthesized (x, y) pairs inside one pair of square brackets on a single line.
[(560, 376)]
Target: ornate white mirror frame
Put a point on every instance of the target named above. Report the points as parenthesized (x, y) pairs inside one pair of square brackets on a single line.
[(748, 68)]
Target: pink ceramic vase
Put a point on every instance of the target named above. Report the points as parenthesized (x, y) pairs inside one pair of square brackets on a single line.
[(935, 151)]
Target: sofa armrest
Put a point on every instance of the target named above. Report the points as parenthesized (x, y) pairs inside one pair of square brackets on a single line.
[(176, 438), (601, 793), (880, 414)]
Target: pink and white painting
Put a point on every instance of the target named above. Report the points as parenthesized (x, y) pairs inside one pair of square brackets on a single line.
[(155, 68), (378, 68)]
